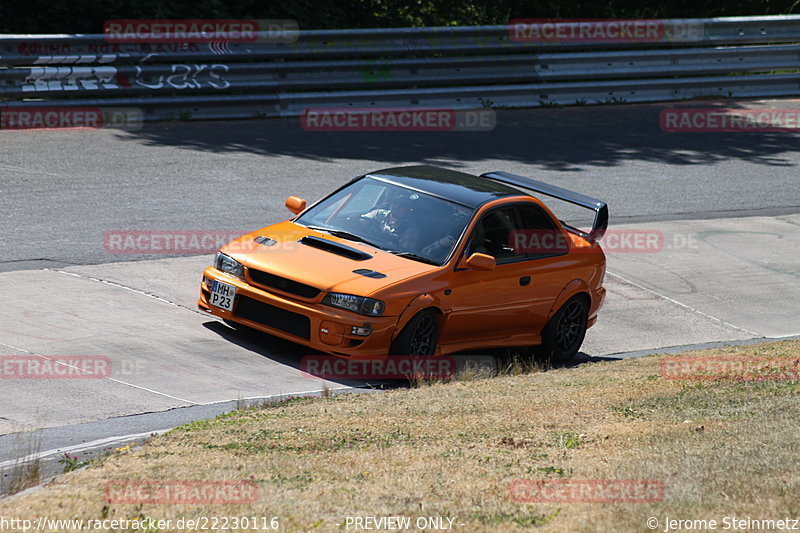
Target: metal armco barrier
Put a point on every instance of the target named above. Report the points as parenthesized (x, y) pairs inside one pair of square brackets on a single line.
[(453, 67)]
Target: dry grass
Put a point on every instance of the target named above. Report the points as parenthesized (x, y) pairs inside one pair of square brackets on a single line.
[(720, 449), (23, 474)]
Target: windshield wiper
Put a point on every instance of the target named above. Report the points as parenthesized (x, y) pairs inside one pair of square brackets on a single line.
[(415, 257), (344, 235)]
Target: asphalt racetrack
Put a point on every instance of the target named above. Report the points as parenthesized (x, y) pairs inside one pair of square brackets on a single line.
[(727, 268)]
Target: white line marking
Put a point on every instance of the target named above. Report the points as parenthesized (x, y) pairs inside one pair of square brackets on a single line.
[(676, 302), (133, 436), (79, 447), (281, 395), (151, 390), (273, 396), (105, 377), (13, 347), (27, 171), (119, 285)]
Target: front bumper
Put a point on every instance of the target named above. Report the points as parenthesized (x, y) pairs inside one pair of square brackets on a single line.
[(329, 329)]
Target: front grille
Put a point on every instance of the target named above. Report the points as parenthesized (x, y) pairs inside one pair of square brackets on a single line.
[(286, 285), (273, 317)]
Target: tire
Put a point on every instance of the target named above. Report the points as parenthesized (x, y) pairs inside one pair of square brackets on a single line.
[(564, 333), (419, 337)]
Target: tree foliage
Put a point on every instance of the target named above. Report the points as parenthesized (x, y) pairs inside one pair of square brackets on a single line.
[(88, 16)]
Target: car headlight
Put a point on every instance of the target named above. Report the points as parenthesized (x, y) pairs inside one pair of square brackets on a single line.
[(229, 265), (357, 304)]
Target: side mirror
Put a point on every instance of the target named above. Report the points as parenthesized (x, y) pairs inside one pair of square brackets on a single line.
[(480, 262), (295, 205)]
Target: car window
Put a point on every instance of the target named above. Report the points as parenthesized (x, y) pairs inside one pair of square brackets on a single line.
[(364, 200), (538, 234), (359, 199), (518, 232), (494, 236), (391, 217)]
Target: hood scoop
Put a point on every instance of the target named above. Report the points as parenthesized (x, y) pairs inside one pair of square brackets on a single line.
[(266, 241), (335, 248), (369, 273)]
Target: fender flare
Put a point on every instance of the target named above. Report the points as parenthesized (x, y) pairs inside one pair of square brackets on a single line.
[(576, 286), (423, 301)]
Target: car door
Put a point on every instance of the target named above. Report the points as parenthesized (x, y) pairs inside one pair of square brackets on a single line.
[(496, 303), (548, 263)]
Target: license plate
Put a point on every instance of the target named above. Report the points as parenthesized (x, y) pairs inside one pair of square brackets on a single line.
[(222, 295)]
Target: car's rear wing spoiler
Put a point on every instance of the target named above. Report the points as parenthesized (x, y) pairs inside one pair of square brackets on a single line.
[(599, 207)]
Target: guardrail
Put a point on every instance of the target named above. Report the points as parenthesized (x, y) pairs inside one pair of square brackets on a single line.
[(453, 67)]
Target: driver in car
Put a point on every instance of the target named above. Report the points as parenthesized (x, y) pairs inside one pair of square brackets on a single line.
[(398, 219), (411, 223)]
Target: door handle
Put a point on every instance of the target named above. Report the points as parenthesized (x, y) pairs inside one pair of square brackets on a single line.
[(525, 281)]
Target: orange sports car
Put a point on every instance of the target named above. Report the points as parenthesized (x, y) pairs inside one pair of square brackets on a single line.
[(418, 261)]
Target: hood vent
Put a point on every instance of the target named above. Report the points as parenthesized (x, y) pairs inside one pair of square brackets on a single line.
[(335, 248), (369, 273), (266, 241)]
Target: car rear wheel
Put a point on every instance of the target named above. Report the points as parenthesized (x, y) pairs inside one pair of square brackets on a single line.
[(419, 337), (564, 333)]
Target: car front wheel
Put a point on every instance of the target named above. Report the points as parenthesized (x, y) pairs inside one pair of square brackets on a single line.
[(419, 337), (564, 333)]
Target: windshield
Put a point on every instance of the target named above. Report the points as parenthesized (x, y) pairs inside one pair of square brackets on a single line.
[(403, 221)]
